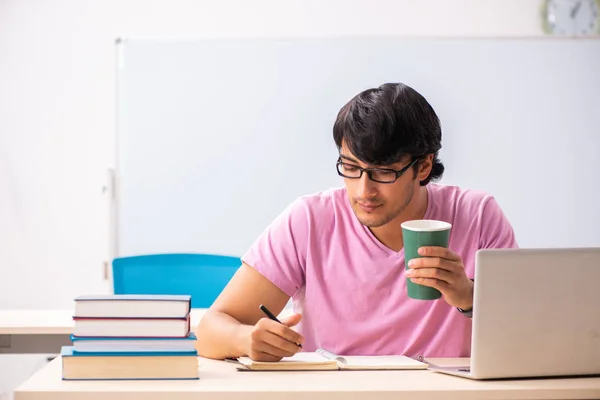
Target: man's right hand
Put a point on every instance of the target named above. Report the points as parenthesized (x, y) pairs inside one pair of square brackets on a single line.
[(271, 341)]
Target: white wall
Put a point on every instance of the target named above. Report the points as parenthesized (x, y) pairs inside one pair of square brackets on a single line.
[(57, 109)]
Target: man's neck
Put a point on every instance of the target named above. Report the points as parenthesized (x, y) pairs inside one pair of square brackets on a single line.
[(390, 235)]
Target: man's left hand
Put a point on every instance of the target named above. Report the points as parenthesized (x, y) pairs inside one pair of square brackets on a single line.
[(443, 269)]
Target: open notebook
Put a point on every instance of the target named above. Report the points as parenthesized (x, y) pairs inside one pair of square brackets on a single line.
[(325, 360)]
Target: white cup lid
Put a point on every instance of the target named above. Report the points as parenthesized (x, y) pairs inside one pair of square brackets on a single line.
[(426, 225)]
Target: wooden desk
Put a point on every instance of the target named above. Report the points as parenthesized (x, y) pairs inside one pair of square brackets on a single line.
[(220, 380), (43, 331)]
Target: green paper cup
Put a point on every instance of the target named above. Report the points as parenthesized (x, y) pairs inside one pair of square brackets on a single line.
[(418, 233)]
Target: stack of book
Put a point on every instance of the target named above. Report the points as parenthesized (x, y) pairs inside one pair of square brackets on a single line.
[(131, 337)]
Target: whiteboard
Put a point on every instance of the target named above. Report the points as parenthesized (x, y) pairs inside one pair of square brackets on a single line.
[(215, 137)]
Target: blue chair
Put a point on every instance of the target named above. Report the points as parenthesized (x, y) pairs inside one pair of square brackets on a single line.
[(203, 276)]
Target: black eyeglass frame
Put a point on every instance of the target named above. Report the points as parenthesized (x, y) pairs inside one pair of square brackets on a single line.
[(370, 171)]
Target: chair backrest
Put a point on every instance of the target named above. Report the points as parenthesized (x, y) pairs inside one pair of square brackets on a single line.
[(203, 276)]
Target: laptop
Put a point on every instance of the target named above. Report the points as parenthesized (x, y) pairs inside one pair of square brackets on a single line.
[(536, 314)]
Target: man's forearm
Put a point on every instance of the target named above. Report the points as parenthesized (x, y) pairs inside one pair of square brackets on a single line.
[(221, 336)]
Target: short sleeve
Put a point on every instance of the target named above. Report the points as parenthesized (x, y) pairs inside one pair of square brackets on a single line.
[(496, 230), (279, 253)]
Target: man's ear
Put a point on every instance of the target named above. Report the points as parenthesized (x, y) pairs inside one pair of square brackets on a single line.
[(425, 166)]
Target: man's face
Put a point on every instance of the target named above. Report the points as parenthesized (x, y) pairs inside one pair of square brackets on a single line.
[(376, 204)]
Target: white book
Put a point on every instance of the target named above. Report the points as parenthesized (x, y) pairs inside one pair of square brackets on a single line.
[(133, 306), (131, 327), (326, 360)]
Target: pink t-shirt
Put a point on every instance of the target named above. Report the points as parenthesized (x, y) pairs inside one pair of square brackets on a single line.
[(351, 289)]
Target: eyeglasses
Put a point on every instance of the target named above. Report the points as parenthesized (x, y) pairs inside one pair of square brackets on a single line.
[(380, 175)]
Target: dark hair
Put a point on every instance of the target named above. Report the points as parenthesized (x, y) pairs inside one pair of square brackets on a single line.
[(382, 125)]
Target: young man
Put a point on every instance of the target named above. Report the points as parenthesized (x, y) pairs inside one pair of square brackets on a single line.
[(339, 253)]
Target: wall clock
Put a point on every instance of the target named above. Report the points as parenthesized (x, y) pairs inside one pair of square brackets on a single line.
[(571, 17)]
